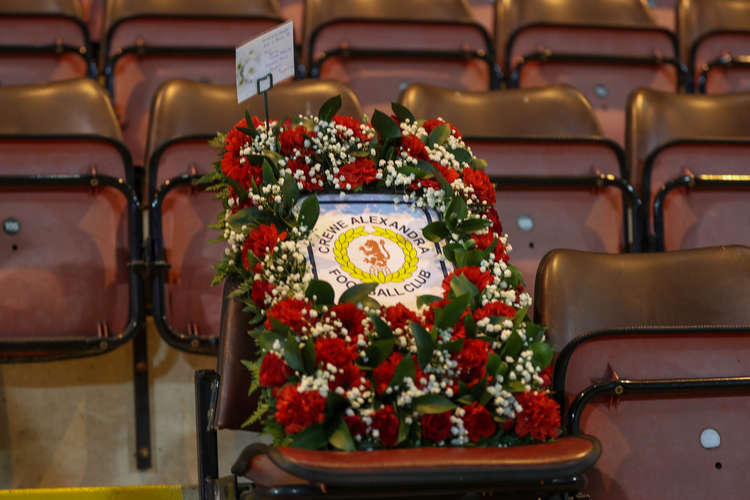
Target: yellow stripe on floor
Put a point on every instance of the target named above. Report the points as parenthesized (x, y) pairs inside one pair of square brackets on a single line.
[(167, 492)]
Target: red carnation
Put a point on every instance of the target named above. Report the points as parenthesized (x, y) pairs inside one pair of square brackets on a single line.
[(293, 139), (497, 226), (483, 188), (356, 425), (350, 316), (472, 360), (485, 240), (352, 175), (296, 411), (436, 427), (383, 373), (429, 313), (290, 312), (478, 422), (386, 423), (495, 309), (540, 417), (399, 315), (336, 352), (273, 371), (414, 147), (474, 274), (261, 291), (230, 162), (314, 183), (352, 124), (431, 125), (449, 174), (547, 375), (261, 241)]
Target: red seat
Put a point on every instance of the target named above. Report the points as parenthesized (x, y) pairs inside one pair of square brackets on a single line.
[(150, 42), (715, 43), (185, 115), (646, 365), (93, 16), (71, 239), (605, 48), (688, 155), (664, 13), (378, 48), (559, 182), (43, 41)]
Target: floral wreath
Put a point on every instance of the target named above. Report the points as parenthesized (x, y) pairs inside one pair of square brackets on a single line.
[(467, 368)]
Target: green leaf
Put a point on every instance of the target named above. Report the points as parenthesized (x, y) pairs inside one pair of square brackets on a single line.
[(311, 438), (466, 399), (308, 356), (451, 313), (439, 135), (341, 439), (478, 164), (269, 177), (404, 369), (425, 344), (471, 226), (292, 354), (322, 292), (403, 430), (379, 351), (436, 231), (267, 338), (543, 354), (289, 193), (426, 300), (381, 327), (449, 251), (357, 293), (455, 346), (250, 127), (462, 155), (335, 404), (520, 316), (516, 386), (534, 332), (309, 212), (470, 326), (460, 285), (493, 363), (385, 127), (237, 188), (431, 404), (280, 327), (456, 210), (402, 112), (329, 108), (502, 369), (250, 217), (513, 346), (434, 172)]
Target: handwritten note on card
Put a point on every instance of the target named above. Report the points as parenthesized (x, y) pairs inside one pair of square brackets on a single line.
[(270, 53)]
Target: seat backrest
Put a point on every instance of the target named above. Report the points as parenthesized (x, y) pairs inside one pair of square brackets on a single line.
[(185, 114), (581, 292), (547, 135), (669, 135), (709, 29), (148, 42), (74, 219)]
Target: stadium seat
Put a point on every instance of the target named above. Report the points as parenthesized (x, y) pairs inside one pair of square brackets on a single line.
[(93, 16), (148, 42), (185, 115), (43, 41), (605, 48), (559, 181), (379, 48), (688, 155), (653, 366), (294, 10), (222, 402), (71, 282), (664, 12), (715, 43)]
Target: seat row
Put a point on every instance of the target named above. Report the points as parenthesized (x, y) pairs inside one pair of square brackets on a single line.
[(651, 361), (605, 48), (67, 178)]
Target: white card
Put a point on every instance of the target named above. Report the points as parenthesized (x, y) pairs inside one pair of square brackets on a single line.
[(270, 53), (365, 238)]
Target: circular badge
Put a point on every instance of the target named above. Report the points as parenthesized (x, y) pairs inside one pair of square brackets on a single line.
[(380, 256)]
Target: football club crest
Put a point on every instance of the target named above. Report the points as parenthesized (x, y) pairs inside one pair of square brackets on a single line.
[(367, 239)]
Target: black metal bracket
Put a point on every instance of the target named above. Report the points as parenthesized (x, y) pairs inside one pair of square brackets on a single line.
[(142, 406), (206, 384), (690, 181)]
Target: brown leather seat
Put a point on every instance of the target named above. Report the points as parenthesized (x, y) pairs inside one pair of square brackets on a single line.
[(688, 155), (147, 43), (71, 225), (604, 48), (558, 179), (93, 16), (378, 48), (715, 43), (524, 471), (43, 41), (184, 116), (648, 343)]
